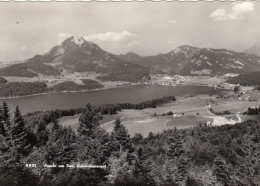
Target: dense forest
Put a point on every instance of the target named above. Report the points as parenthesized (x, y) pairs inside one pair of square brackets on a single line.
[(250, 79), (71, 86), (28, 69), (114, 108), (20, 70), (223, 155), (22, 88), (129, 75), (28, 88), (253, 111)]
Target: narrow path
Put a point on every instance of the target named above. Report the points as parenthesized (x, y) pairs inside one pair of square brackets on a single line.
[(239, 118), (111, 121)]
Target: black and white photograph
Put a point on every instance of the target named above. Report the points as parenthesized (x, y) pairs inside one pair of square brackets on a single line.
[(129, 93)]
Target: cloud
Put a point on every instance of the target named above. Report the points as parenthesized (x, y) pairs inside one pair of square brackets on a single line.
[(123, 36), (171, 21), (172, 42), (235, 12), (63, 36)]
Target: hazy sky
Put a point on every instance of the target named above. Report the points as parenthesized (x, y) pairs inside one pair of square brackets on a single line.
[(147, 28)]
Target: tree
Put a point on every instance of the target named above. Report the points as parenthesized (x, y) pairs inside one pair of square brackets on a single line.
[(220, 170), (60, 148), (19, 132), (236, 88), (121, 136), (13, 143), (88, 121), (178, 159), (5, 114), (92, 141), (2, 126)]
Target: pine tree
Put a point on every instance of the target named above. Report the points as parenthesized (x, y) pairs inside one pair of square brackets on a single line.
[(19, 133), (140, 173), (14, 140), (220, 170), (91, 141), (2, 126), (121, 136), (88, 121), (4, 118), (178, 158), (6, 114)]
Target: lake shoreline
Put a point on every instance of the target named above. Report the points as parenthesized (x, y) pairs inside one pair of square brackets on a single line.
[(104, 88), (46, 93)]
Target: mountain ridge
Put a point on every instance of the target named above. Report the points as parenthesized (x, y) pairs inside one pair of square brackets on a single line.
[(188, 60), (75, 54), (255, 49)]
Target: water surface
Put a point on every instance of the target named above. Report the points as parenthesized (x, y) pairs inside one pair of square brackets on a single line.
[(129, 94)]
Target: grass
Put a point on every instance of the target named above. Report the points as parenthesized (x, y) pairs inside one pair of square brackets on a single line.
[(72, 121), (194, 109)]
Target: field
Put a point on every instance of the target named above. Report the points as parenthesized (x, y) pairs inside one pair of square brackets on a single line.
[(187, 112), (71, 121)]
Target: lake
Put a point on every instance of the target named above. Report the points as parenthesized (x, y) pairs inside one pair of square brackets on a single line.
[(128, 94)]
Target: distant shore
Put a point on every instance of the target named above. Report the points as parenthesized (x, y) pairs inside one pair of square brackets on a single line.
[(104, 88), (44, 93)]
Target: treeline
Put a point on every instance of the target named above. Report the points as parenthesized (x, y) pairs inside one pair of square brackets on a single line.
[(131, 75), (28, 69), (222, 155), (71, 86), (91, 84), (20, 70), (253, 111), (46, 117), (250, 79), (2, 80), (22, 88), (10, 89), (225, 112), (114, 108)]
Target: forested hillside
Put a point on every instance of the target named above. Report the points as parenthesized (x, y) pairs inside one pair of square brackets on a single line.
[(10, 89), (71, 86), (29, 69), (225, 155), (250, 79)]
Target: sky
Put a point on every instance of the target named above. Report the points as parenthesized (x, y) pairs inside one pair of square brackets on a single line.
[(146, 28)]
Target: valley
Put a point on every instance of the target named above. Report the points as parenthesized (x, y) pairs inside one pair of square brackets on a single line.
[(80, 72), (130, 93), (187, 112)]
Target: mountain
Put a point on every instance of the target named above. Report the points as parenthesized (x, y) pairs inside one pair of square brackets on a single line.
[(187, 60), (75, 54), (254, 49), (221, 61), (171, 62), (130, 56)]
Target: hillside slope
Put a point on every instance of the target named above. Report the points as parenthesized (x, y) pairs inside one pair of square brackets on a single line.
[(254, 49), (250, 79), (187, 60), (78, 55)]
